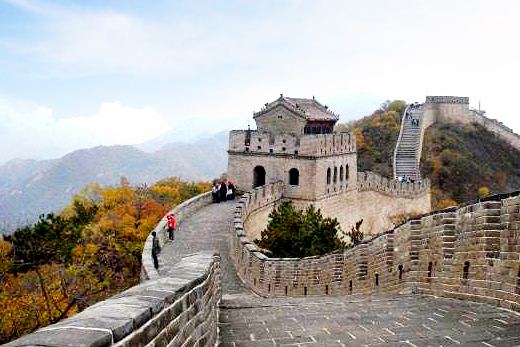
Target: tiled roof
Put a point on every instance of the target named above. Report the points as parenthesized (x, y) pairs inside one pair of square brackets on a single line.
[(309, 109)]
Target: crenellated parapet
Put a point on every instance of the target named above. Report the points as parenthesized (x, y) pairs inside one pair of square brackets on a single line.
[(471, 252), (447, 100), (311, 145), (370, 181)]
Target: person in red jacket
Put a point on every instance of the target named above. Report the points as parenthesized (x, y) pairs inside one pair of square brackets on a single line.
[(171, 223)]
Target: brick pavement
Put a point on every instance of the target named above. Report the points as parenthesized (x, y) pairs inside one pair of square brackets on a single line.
[(209, 229), (379, 321)]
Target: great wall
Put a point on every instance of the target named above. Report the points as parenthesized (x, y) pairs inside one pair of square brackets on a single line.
[(441, 278)]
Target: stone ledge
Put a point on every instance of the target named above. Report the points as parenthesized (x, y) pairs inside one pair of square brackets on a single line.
[(120, 316)]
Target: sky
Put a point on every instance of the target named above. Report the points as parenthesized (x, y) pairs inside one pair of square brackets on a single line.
[(77, 74)]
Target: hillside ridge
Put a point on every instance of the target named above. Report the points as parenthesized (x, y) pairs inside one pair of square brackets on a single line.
[(30, 187)]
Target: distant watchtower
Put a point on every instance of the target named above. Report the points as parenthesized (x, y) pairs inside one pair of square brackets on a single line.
[(294, 142)]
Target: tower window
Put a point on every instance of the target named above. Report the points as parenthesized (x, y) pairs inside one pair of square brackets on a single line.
[(335, 179), (294, 177), (328, 175)]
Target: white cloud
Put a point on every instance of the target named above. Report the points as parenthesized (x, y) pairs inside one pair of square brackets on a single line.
[(233, 60), (37, 133)]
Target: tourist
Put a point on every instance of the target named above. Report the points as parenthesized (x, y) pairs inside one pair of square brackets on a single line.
[(219, 185), (156, 249), (214, 192), (171, 223), (222, 191), (231, 190)]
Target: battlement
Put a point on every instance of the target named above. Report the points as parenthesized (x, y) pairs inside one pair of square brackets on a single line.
[(370, 181), (467, 253), (313, 145), (447, 100)]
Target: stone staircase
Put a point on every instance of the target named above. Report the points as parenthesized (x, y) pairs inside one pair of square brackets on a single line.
[(408, 149)]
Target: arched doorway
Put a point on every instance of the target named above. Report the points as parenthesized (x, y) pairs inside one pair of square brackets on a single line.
[(258, 176), (294, 177)]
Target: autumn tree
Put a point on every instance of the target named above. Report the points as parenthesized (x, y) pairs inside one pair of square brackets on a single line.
[(91, 250)]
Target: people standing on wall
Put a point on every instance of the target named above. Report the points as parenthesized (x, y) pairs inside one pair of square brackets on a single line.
[(214, 192), (156, 249), (223, 191), (231, 190), (171, 223)]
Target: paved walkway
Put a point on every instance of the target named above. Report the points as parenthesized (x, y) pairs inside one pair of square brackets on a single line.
[(247, 320), (209, 229), (384, 321)]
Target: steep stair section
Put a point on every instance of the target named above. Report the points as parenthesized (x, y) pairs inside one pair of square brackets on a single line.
[(408, 148)]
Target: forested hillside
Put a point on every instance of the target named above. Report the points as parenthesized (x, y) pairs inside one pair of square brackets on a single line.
[(463, 162), (88, 252)]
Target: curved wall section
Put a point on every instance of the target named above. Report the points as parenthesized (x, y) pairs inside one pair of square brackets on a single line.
[(172, 311), (181, 212), (471, 252), (370, 181)]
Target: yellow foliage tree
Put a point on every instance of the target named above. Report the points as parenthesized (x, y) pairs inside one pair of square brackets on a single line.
[(112, 224), (483, 192)]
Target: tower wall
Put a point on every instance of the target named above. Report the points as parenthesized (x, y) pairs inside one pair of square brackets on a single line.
[(447, 109), (280, 120), (311, 155)]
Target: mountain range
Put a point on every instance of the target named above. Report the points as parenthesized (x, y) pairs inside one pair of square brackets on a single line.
[(29, 188)]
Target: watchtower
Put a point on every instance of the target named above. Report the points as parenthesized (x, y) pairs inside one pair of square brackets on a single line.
[(446, 109), (294, 142)]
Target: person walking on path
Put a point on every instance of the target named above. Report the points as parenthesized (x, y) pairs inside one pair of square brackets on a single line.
[(156, 249), (171, 223)]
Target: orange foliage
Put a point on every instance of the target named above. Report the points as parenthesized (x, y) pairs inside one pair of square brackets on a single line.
[(445, 203), (106, 258), (360, 139)]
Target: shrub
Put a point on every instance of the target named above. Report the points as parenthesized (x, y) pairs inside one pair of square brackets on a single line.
[(294, 233)]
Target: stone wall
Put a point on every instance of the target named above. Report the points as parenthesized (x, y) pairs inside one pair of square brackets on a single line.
[(375, 200), (172, 311), (311, 155), (379, 199), (370, 181), (471, 253), (498, 128), (456, 110), (280, 119), (181, 212)]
